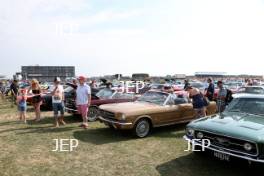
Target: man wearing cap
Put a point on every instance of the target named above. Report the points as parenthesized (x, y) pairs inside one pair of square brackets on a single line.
[(221, 103), (58, 102), (83, 100)]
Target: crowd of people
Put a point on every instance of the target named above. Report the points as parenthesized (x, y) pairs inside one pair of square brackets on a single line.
[(83, 100), (223, 98), (199, 99)]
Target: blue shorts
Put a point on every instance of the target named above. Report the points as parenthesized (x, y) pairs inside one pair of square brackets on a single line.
[(58, 107), (22, 108)]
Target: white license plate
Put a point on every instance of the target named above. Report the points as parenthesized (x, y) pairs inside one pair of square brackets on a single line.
[(221, 156)]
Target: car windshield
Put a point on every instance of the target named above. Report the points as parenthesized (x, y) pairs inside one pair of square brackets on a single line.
[(105, 93), (197, 85), (253, 90), (154, 97), (231, 85), (119, 95), (247, 105)]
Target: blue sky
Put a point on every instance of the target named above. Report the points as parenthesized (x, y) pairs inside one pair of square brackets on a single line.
[(159, 37)]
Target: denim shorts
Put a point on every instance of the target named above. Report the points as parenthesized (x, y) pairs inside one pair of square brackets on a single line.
[(22, 108), (58, 107)]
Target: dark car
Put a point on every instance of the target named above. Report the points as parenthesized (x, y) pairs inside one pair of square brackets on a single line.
[(103, 96), (236, 133)]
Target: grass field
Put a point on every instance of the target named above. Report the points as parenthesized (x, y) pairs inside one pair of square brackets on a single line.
[(26, 150)]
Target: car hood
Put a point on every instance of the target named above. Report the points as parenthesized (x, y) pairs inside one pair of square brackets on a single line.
[(237, 125), (132, 108)]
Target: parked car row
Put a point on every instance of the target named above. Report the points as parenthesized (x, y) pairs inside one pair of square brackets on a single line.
[(238, 132), (235, 133)]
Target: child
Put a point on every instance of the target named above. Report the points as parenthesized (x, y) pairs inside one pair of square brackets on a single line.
[(22, 105)]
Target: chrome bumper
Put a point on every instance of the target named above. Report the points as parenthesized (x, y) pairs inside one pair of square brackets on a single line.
[(114, 122), (224, 152)]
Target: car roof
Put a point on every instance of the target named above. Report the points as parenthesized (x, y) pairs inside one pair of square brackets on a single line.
[(248, 95)]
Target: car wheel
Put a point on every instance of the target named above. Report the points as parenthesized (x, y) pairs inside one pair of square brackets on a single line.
[(142, 128), (93, 114)]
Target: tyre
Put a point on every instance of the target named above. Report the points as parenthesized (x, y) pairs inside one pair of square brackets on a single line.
[(93, 113), (142, 128)]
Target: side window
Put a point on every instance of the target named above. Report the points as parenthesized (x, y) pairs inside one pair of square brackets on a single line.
[(117, 95)]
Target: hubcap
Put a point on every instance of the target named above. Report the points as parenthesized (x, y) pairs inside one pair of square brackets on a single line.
[(92, 114), (142, 128)]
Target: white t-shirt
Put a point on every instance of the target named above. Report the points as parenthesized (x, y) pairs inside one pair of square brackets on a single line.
[(57, 97), (82, 94)]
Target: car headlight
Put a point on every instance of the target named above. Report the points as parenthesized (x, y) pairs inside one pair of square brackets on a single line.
[(248, 146), (123, 117), (190, 132), (200, 135)]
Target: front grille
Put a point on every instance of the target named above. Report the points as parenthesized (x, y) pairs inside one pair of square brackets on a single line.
[(228, 143), (107, 115)]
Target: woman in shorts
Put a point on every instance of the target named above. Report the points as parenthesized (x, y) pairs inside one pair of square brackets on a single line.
[(36, 99), (197, 101)]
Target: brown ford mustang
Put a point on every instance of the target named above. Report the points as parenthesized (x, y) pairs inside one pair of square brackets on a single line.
[(152, 109)]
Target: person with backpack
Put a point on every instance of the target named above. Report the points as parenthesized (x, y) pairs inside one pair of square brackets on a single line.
[(221, 97)]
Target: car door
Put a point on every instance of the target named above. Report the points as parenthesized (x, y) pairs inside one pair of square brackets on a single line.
[(170, 112), (187, 111)]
